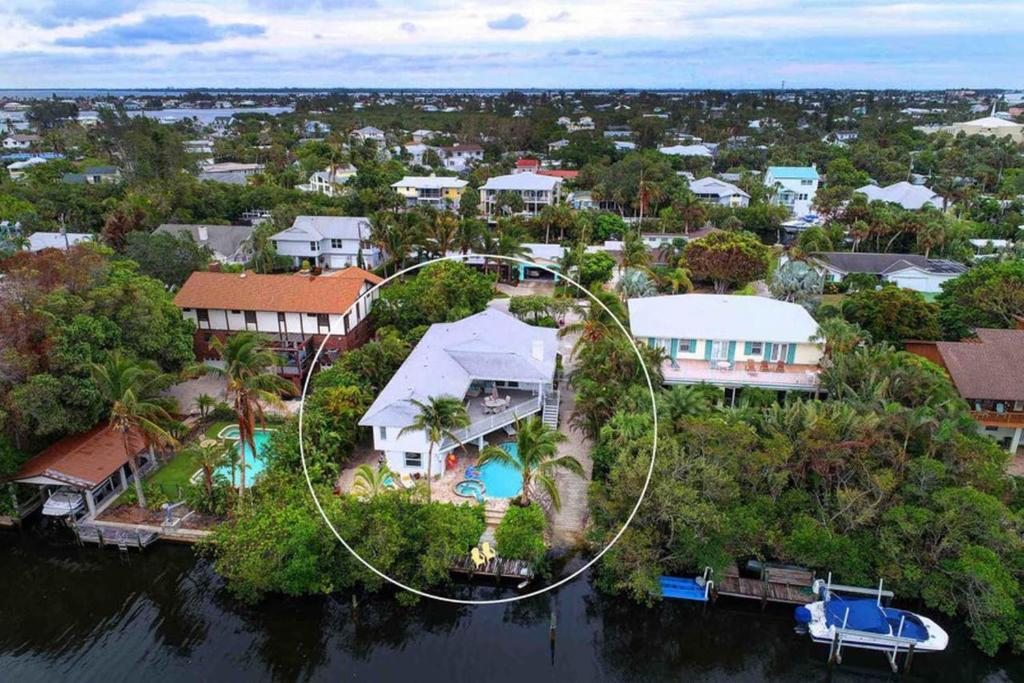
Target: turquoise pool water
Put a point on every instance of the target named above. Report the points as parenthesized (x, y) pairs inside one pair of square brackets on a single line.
[(501, 480), (254, 465)]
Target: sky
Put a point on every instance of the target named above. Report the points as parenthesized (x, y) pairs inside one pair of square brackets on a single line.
[(528, 43)]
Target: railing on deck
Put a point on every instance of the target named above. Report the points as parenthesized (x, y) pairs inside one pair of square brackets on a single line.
[(492, 422)]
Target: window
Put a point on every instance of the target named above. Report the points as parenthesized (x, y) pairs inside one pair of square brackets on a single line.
[(313, 246), (806, 182), (687, 345), (322, 320), (382, 433), (756, 348), (337, 244), (413, 459), (348, 321), (250, 317), (780, 352), (203, 315), (1018, 405), (235, 312)]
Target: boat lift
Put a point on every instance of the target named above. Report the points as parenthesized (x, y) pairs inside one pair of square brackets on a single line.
[(839, 639)]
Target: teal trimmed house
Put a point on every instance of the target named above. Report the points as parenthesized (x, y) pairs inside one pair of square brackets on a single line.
[(730, 341)]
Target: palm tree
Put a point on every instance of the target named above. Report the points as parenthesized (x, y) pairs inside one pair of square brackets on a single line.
[(635, 284), (839, 336), (370, 482), (209, 455), (634, 252), (130, 388), (441, 231), (438, 418), (536, 459), (680, 279), (250, 383), (204, 403)]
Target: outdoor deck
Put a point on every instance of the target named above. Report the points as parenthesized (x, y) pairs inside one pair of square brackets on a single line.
[(499, 568), (523, 404), (790, 586), (802, 377)]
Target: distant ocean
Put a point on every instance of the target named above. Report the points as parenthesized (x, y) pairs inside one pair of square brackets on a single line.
[(37, 93)]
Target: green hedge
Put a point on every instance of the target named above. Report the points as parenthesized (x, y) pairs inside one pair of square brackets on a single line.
[(520, 535)]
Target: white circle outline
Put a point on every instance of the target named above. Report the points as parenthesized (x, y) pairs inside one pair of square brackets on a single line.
[(560, 582)]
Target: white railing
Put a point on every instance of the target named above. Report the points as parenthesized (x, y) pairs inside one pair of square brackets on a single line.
[(493, 422)]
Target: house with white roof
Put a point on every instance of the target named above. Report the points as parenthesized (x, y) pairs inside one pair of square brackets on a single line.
[(329, 241), (38, 241), (502, 369), (369, 134), (460, 157), (687, 151), (909, 196), (719, 192), (536, 191), (794, 187), (990, 126), (330, 181), (729, 340), (437, 191), (21, 141)]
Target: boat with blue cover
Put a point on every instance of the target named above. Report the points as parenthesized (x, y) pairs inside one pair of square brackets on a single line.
[(865, 623)]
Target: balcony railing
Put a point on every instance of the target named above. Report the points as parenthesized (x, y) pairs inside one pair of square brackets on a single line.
[(492, 422), (993, 418)]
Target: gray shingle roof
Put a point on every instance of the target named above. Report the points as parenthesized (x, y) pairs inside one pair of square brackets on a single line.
[(880, 264), (224, 240)]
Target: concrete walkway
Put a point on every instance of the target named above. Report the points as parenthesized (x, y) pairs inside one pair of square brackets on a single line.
[(568, 525)]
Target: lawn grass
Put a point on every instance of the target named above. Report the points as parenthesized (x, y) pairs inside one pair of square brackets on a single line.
[(176, 472), (215, 428)]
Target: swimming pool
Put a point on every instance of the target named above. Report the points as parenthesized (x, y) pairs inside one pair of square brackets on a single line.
[(253, 465), (501, 480)]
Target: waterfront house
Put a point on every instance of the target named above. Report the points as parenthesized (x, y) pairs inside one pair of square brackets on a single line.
[(437, 191), (536, 191), (500, 368), (296, 313), (909, 271), (329, 242), (80, 475), (719, 192), (909, 196), (227, 243), (730, 341), (988, 372), (793, 187), (460, 157)]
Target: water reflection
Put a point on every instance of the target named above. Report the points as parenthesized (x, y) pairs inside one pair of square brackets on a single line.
[(88, 614)]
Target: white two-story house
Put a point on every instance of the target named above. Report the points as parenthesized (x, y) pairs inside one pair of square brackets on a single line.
[(715, 191), (487, 359), (730, 341), (329, 241), (437, 191), (536, 191), (460, 157), (794, 187)]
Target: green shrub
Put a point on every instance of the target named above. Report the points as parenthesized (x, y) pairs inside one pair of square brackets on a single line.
[(520, 535)]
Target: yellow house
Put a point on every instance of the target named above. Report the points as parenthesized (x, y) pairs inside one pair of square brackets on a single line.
[(730, 341), (439, 191)]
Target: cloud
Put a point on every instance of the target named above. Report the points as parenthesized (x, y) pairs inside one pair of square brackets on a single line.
[(286, 6), (174, 30), (62, 12), (408, 27), (513, 22), (561, 16)]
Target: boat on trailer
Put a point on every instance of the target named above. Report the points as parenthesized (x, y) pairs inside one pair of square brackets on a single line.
[(865, 623)]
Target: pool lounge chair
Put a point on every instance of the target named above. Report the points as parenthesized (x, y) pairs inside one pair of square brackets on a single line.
[(478, 559), (488, 551)]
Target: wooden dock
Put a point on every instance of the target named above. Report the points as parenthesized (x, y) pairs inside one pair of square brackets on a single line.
[(121, 538), (789, 586), (499, 568)]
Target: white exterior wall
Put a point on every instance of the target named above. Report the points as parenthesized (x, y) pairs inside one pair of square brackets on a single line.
[(806, 353), (347, 255), (395, 447), (918, 280), (794, 193)]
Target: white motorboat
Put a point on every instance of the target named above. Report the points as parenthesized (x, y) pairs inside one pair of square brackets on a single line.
[(864, 623)]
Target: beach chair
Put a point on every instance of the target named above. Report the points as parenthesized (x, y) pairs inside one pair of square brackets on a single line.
[(488, 551), (764, 366), (478, 559), (406, 481), (751, 366), (780, 367)]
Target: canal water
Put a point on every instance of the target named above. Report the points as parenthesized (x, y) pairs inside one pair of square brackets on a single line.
[(90, 614)]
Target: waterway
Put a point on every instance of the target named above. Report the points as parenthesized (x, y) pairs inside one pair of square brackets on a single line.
[(90, 614)]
